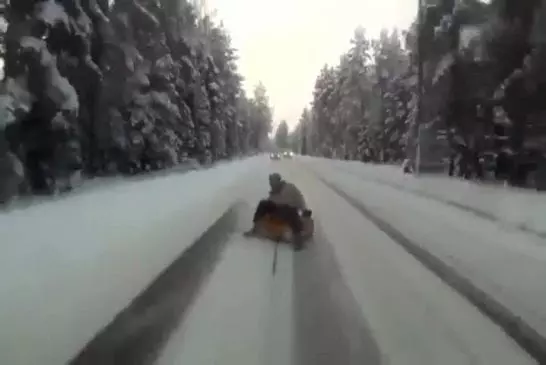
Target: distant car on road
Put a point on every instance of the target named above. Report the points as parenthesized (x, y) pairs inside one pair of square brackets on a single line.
[(288, 154), (275, 156)]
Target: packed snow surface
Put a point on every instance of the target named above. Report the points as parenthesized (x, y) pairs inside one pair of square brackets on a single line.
[(518, 208), (67, 267), (507, 263), (242, 315)]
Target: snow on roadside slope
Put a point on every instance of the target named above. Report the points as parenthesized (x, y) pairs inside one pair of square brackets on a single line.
[(515, 207), (414, 317), (505, 264), (68, 267)]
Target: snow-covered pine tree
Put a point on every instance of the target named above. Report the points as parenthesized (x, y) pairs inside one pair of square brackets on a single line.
[(282, 135), (47, 44), (117, 86), (260, 117)]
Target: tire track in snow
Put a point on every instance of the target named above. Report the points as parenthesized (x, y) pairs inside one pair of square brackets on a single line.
[(515, 327), (465, 208), (138, 333), (328, 323), (329, 326)]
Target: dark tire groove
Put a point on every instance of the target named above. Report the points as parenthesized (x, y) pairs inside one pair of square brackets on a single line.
[(329, 326), (477, 212), (515, 327), (138, 333)]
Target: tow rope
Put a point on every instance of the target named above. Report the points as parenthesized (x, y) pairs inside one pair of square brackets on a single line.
[(275, 255)]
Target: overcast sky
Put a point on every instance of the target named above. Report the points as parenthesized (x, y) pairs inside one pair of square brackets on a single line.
[(284, 43)]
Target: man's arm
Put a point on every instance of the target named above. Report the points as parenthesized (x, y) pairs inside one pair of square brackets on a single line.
[(299, 199)]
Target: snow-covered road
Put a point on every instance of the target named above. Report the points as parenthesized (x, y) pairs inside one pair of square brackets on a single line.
[(507, 263), (243, 314), (354, 296), (67, 267), (384, 308)]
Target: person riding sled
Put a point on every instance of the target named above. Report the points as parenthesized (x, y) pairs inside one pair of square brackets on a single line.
[(286, 203)]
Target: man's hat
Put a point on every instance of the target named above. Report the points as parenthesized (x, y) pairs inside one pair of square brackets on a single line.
[(275, 177)]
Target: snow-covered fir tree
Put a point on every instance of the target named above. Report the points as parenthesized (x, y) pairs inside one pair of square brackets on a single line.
[(483, 82), (127, 86)]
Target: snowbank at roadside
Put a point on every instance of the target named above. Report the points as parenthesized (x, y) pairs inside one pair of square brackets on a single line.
[(496, 267), (524, 209)]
